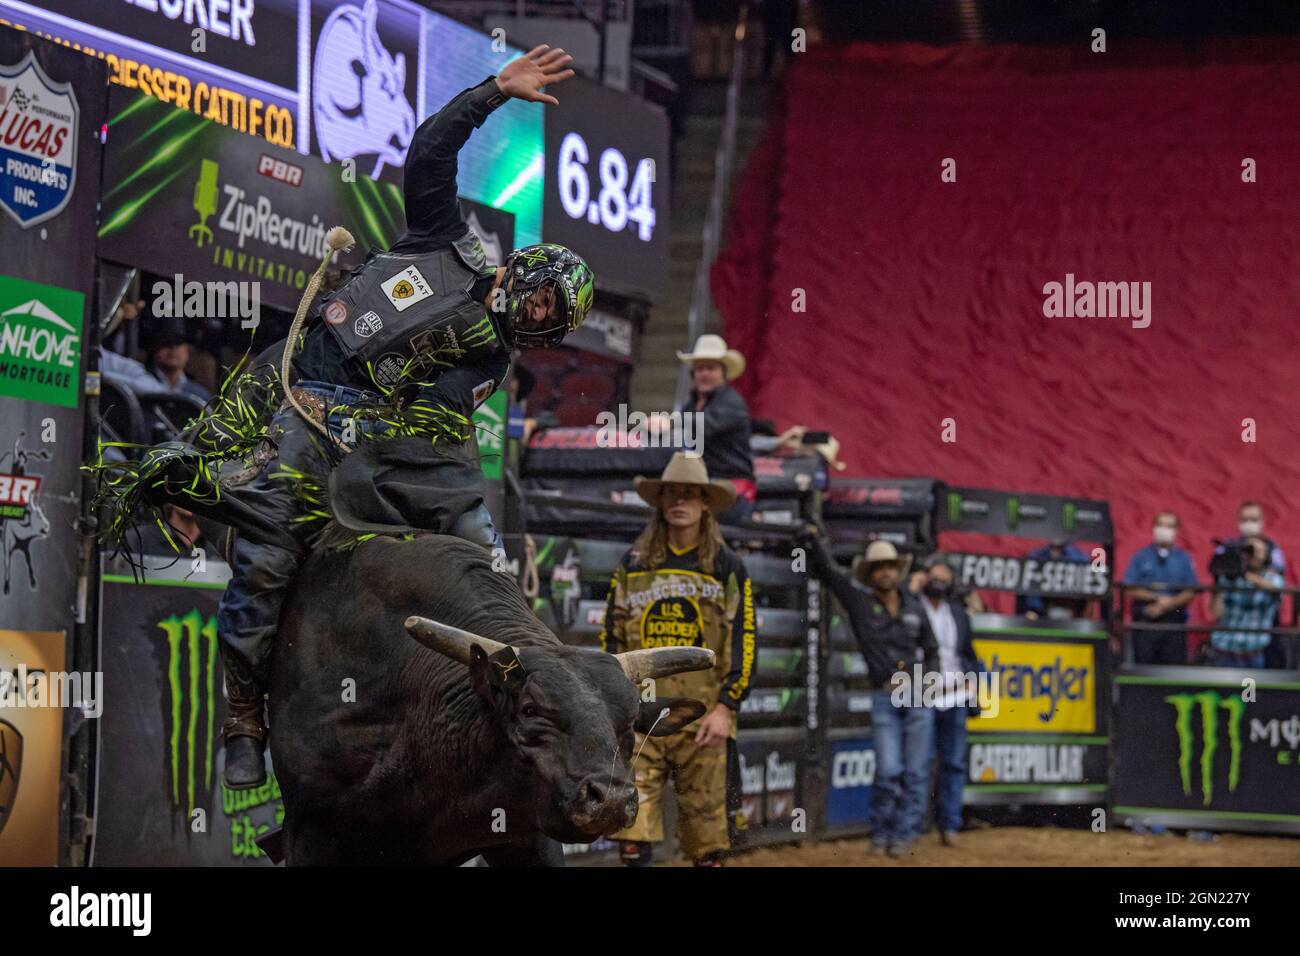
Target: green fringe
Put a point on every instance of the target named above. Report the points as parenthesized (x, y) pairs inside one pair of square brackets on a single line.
[(233, 428)]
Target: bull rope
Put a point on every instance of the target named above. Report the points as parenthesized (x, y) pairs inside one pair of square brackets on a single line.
[(339, 240)]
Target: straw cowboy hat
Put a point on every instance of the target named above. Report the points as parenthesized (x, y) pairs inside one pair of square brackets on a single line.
[(881, 552), (719, 496), (713, 348)]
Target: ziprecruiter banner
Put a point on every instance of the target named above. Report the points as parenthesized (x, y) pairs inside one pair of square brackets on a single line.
[(184, 195)]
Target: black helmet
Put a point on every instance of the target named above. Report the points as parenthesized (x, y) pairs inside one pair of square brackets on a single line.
[(530, 268)]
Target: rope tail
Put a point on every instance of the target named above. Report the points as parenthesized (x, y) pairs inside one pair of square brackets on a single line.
[(339, 240)]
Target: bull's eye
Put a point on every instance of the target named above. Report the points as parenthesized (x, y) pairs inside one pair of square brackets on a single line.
[(530, 711)]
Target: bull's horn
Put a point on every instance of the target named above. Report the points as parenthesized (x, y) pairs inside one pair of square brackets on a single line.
[(448, 640), (663, 661)]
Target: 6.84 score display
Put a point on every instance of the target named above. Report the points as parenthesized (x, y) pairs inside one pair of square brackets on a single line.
[(618, 199)]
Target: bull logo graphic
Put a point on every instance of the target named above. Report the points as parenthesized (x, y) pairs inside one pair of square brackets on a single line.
[(403, 290), (11, 766), (22, 521), (38, 144), (359, 101)]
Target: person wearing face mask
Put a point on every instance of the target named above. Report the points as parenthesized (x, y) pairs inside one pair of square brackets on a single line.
[(1160, 580), (1250, 524), (952, 632), (1248, 604)]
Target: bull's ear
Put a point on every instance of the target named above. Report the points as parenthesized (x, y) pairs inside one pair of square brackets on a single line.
[(658, 718), (491, 694)]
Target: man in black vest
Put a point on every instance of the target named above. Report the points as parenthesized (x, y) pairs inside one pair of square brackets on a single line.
[(425, 329)]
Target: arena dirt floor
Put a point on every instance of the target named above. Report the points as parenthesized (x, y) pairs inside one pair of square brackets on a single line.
[(1042, 846)]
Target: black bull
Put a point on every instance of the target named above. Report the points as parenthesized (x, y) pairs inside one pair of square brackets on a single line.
[(436, 749)]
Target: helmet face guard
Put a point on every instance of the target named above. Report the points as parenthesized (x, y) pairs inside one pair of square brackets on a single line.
[(532, 268)]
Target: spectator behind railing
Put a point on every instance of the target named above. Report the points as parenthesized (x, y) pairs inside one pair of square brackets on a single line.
[(1251, 602), (169, 353), (1161, 582), (1035, 606), (1250, 522)]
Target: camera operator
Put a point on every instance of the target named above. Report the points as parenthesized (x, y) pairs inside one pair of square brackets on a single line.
[(1250, 524), (1252, 604)]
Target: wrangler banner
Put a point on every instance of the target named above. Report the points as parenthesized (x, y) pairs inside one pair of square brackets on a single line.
[(160, 796), (1045, 736), (1208, 748)]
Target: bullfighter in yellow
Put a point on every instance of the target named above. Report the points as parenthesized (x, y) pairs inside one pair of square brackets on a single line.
[(681, 586)]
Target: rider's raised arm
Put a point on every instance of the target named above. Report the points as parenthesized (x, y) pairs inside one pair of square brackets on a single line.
[(430, 178)]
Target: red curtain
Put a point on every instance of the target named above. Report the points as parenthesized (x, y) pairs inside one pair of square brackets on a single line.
[(923, 300)]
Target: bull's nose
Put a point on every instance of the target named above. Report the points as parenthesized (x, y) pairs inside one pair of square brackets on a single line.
[(604, 803)]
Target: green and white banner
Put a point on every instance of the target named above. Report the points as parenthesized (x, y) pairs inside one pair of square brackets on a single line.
[(40, 341)]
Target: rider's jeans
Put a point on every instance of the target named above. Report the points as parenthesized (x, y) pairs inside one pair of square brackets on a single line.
[(260, 573)]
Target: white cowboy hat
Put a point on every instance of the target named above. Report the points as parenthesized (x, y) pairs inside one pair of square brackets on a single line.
[(881, 552), (719, 496), (713, 348)]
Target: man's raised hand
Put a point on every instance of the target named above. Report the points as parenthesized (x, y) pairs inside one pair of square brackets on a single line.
[(541, 66)]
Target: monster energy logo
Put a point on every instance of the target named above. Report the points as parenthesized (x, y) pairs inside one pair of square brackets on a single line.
[(954, 508), (1069, 513), (1210, 704), (191, 671), (1013, 512)]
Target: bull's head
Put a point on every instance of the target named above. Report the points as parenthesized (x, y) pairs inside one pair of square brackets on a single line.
[(569, 714)]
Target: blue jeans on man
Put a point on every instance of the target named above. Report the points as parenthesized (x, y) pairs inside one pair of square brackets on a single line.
[(950, 752), (903, 739)]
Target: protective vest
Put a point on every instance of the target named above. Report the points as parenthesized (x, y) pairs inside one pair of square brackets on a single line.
[(404, 317)]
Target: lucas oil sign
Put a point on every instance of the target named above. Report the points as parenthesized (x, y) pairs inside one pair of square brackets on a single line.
[(38, 143)]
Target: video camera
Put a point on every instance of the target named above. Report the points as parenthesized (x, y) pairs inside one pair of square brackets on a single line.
[(1231, 561)]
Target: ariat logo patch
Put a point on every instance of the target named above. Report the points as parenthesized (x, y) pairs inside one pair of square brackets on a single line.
[(368, 324), (482, 392), (406, 288), (336, 313)]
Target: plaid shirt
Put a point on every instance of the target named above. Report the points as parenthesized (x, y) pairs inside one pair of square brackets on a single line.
[(1251, 608)]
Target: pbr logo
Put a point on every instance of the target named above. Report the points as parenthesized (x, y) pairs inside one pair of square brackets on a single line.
[(11, 765), (38, 143)]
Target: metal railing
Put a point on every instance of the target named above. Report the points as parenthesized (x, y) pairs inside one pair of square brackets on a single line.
[(1288, 636), (699, 318)]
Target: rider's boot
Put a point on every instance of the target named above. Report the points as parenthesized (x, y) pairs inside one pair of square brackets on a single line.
[(244, 733)]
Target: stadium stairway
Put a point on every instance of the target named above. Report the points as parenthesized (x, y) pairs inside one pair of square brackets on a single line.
[(654, 382)]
